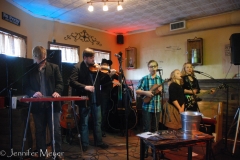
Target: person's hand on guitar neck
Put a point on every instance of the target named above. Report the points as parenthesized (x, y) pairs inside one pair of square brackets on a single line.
[(160, 89), (148, 93), (194, 91), (211, 91), (151, 93)]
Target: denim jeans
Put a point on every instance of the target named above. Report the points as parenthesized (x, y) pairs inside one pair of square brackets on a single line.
[(150, 123), (42, 120), (96, 116)]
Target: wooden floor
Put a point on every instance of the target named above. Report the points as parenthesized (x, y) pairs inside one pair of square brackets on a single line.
[(117, 149)]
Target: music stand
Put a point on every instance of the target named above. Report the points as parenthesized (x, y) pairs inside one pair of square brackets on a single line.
[(50, 99)]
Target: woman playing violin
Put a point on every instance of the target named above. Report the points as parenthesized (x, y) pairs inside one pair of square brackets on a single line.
[(87, 83)]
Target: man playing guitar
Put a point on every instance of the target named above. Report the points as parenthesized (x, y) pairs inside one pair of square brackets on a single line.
[(150, 109)]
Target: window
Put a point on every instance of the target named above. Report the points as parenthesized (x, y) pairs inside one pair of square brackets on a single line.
[(12, 44), (100, 54), (70, 53)]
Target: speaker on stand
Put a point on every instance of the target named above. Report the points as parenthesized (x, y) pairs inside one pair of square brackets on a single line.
[(235, 48), (56, 57), (235, 59)]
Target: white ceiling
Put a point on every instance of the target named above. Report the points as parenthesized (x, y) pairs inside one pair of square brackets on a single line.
[(136, 16)]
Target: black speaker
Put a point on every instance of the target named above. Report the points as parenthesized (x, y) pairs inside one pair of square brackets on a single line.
[(120, 39), (55, 56), (235, 48)]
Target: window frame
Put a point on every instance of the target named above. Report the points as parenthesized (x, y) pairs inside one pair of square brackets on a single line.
[(100, 50), (67, 45), (18, 35)]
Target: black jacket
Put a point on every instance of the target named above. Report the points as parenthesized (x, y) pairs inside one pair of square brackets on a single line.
[(54, 83), (80, 78)]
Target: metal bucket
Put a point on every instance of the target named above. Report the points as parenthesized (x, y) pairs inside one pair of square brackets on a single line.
[(191, 121)]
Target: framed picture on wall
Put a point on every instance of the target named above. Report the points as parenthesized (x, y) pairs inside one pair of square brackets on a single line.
[(131, 55)]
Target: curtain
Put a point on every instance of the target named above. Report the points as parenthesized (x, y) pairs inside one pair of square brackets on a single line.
[(12, 45), (69, 54), (101, 55)]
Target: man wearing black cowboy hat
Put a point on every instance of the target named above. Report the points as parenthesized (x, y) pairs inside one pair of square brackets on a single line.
[(106, 62), (106, 88)]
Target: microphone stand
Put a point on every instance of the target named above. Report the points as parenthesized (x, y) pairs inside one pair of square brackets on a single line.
[(127, 100), (159, 71), (9, 90), (227, 87)]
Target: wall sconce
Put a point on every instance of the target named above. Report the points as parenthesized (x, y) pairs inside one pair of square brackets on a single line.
[(105, 7)]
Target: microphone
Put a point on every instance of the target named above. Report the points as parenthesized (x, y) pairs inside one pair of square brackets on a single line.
[(159, 70), (199, 72), (117, 55), (51, 54)]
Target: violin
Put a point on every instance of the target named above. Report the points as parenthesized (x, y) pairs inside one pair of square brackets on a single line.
[(105, 69), (96, 68)]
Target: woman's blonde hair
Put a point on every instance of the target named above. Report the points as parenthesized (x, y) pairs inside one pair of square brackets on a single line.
[(184, 71), (173, 78)]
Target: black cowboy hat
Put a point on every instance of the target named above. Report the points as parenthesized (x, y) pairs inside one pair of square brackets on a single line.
[(109, 62)]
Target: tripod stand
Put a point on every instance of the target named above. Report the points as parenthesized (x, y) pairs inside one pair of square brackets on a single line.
[(237, 121)]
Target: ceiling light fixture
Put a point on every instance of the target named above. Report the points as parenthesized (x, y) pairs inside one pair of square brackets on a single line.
[(119, 7), (90, 8), (105, 7)]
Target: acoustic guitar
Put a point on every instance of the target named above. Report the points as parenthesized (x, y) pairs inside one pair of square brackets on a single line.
[(117, 114), (154, 90), (191, 100)]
